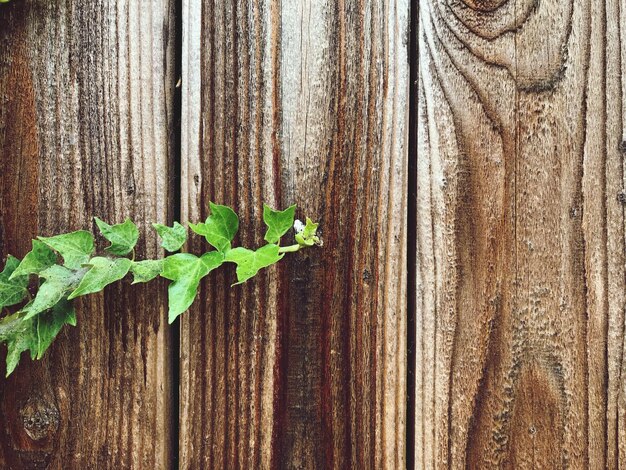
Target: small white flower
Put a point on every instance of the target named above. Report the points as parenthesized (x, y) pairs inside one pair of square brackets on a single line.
[(298, 226)]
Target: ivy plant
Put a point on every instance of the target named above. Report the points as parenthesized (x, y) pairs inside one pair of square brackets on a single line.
[(37, 292)]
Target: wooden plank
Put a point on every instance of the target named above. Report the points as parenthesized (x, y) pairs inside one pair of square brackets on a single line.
[(520, 265), (305, 102), (86, 102)]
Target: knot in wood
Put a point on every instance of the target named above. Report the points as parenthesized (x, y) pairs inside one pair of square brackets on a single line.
[(40, 418), (484, 5)]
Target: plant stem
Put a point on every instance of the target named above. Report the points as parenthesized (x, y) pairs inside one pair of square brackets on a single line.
[(289, 249)]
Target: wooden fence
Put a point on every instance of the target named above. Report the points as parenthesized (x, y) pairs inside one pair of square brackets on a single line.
[(466, 161)]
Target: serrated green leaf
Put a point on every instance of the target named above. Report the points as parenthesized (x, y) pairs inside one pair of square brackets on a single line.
[(58, 282), (186, 270), (173, 237), (102, 272), (308, 236), (220, 227), (50, 324), (12, 291), (75, 247), (39, 258), (144, 271), (123, 237), (249, 262), (278, 222)]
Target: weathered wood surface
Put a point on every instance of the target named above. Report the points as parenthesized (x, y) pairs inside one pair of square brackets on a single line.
[(86, 92), (520, 235), (298, 102)]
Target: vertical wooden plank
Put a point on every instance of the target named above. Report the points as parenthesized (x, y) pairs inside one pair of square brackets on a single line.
[(613, 115), (86, 92), (303, 102), (520, 277)]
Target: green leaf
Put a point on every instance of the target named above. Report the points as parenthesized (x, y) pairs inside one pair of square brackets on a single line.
[(58, 282), (34, 334), (19, 335), (278, 222), (10, 326), (144, 271), (308, 235), (75, 247), (16, 346), (173, 237), (102, 272), (250, 262), (123, 237), (12, 291), (50, 324), (220, 227), (186, 270), (36, 260)]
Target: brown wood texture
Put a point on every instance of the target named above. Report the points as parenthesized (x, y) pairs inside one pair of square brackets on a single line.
[(298, 102), (520, 234), (86, 103)]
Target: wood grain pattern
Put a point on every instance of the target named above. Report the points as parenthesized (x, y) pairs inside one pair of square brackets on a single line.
[(520, 277), (86, 102), (298, 102)]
